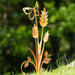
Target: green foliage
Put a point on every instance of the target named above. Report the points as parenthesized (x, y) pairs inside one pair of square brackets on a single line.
[(59, 71), (61, 19), (12, 46), (15, 34), (62, 23), (14, 38)]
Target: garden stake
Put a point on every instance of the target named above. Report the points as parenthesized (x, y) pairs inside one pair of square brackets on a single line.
[(38, 45)]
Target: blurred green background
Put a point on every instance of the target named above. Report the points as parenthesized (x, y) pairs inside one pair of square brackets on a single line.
[(16, 32)]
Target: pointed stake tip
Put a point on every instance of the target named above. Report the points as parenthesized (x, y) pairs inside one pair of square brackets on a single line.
[(36, 4), (44, 9)]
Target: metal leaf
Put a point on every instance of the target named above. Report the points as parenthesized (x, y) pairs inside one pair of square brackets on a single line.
[(46, 54), (29, 59), (32, 53), (46, 60), (26, 64)]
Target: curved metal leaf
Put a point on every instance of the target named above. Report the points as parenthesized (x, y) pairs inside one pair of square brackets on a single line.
[(32, 53), (26, 64), (46, 60)]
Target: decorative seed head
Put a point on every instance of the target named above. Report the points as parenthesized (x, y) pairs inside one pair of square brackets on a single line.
[(46, 36), (35, 31), (43, 19)]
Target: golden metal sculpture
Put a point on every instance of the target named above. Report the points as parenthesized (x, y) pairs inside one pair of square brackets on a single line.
[(39, 48)]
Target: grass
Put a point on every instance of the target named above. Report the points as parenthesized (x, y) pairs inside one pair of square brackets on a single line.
[(61, 70)]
